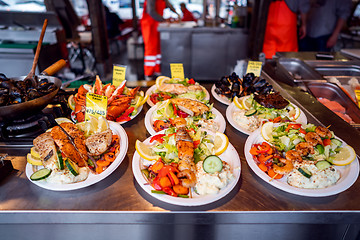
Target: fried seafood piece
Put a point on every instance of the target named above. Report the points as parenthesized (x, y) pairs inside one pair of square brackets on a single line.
[(177, 88), (271, 100), (185, 150), (66, 146), (197, 107), (179, 122), (45, 146), (98, 143)]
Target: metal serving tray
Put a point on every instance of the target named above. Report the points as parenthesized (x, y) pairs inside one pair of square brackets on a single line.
[(298, 70), (332, 92), (336, 70)]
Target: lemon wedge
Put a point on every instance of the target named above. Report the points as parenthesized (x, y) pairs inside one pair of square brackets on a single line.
[(62, 120), (160, 80), (266, 131), (246, 102), (237, 102), (34, 153), (144, 100), (145, 151), (103, 124), (345, 156), (221, 142), (294, 112), (71, 102), (33, 160)]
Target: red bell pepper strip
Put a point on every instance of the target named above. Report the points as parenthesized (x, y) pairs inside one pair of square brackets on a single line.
[(173, 178), (175, 109), (123, 119), (295, 126), (156, 184), (158, 137), (170, 191), (166, 169), (182, 114), (326, 142), (196, 144), (191, 81)]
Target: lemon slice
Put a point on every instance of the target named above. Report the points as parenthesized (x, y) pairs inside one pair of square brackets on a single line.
[(246, 102), (238, 103), (145, 151), (34, 153), (93, 124), (345, 156), (144, 100), (81, 126), (266, 131), (103, 124), (71, 102), (33, 160), (160, 80), (62, 120), (294, 112), (221, 143)]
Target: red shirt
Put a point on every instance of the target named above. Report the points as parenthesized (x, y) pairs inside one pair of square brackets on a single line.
[(187, 16)]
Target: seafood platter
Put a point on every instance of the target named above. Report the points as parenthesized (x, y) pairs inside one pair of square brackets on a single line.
[(68, 157), (302, 159), (166, 88), (186, 167), (161, 116), (124, 103)]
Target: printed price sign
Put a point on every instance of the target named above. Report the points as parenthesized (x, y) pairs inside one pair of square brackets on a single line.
[(177, 70), (254, 67), (118, 75), (357, 95), (96, 105)]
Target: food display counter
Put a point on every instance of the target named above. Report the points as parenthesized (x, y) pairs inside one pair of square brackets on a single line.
[(118, 208)]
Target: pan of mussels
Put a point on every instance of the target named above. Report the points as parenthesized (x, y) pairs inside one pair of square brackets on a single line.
[(20, 98)]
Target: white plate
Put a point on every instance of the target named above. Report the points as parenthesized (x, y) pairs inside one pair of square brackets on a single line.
[(230, 156), (348, 174), (149, 121), (232, 108), (132, 117), (222, 99), (92, 178), (153, 88)]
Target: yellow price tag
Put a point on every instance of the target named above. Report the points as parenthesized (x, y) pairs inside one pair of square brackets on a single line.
[(254, 67), (118, 75), (96, 105), (357, 95), (177, 70)]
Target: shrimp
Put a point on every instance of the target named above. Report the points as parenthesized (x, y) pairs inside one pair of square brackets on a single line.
[(313, 138), (304, 148), (288, 167), (179, 122), (293, 155), (323, 132), (188, 178)]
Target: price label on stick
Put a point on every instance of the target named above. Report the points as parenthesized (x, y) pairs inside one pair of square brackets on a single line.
[(177, 70), (254, 67), (96, 105), (118, 75)]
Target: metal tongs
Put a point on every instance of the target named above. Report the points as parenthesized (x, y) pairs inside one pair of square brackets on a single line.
[(71, 139)]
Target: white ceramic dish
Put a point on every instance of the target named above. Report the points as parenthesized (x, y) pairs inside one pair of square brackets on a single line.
[(153, 88), (149, 121), (222, 99), (230, 156), (92, 178), (349, 174), (232, 108)]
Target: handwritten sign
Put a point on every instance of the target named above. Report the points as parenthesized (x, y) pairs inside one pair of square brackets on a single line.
[(118, 75), (96, 105), (254, 67), (177, 70)]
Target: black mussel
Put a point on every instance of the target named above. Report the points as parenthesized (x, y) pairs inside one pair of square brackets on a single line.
[(249, 77), (266, 89), (29, 83), (260, 83), (218, 84), (33, 93), (43, 82), (4, 91), (7, 84), (235, 88), (3, 77), (225, 88), (15, 100), (225, 81), (4, 99), (15, 92), (46, 89), (21, 85)]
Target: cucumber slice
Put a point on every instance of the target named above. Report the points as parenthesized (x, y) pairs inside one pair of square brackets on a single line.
[(73, 168), (337, 142), (305, 172), (321, 165), (60, 161), (212, 164), (250, 112), (40, 174)]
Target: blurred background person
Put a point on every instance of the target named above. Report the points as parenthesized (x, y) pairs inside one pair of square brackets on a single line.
[(113, 22), (152, 16), (187, 15), (281, 33), (325, 20)]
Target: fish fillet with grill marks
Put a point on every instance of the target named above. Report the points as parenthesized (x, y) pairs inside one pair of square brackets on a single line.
[(197, 107), (45, 146), (98, 143), (178, 88), (66, 146)]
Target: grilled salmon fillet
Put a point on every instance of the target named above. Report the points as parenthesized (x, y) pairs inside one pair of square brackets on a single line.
[(197, 107), (45, 146), (66, 146), (98, 143)]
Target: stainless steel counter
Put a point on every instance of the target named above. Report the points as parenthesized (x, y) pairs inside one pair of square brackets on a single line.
[(118, 208)]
